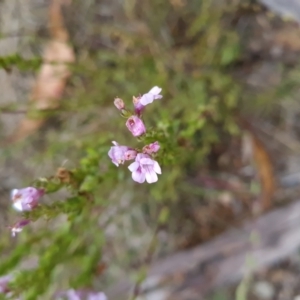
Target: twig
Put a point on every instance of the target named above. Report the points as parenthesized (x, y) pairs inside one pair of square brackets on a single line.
[(148, 260)]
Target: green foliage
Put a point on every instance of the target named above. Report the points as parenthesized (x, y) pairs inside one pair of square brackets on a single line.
[(15, 60), (189, 53)]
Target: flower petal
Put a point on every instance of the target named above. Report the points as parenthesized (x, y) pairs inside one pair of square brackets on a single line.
[(115, 163), (138, 177), (134, 166), (146, 161), (141, 156), (18, 205), (156, 167), (111, 153), (147, 99), (155, 90), (151, 177)]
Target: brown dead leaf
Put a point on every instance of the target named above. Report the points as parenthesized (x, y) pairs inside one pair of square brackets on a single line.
[(263, 164), (53, 74), (266, 173)]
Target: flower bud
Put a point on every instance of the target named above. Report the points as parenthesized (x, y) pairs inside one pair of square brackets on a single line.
[(151, 148), (119, 103), (136, 126)]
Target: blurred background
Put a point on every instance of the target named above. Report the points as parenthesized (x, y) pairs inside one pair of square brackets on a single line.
[(223, 221)]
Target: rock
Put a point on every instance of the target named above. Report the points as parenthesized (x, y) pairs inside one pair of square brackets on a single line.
[(285, 8)]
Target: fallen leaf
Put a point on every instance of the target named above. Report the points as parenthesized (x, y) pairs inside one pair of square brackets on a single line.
[(266, 172), (264, 166)]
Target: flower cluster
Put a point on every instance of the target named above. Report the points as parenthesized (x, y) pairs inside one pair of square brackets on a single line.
[(24, 200), (144, 168)]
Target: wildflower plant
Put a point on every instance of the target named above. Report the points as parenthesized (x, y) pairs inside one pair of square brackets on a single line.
[(145, 167), (30, 207)]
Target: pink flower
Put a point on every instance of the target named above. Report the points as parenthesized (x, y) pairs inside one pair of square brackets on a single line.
[(26, 199), (151, 148), (138, 107), (81, 295), (144, 168), (18, 227), (152, 95), (119, 154), (4, 281), (135, 126)]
